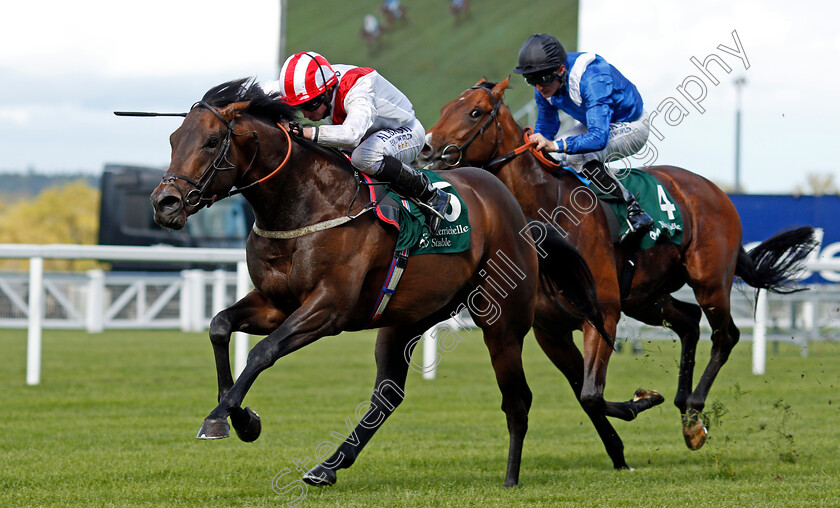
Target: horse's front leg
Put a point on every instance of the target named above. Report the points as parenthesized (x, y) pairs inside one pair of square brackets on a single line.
[(317, 318), (253, 314)]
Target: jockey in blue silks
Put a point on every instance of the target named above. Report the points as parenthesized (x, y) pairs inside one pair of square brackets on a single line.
[(613, 122)]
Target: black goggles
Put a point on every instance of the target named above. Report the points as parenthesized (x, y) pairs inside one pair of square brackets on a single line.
[(540, 78), (313, 104)]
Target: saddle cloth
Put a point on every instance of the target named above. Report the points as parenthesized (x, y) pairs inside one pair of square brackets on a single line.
[(654, 199), (407, 218)]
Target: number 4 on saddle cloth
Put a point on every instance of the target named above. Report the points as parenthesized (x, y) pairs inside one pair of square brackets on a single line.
[(654, 199)]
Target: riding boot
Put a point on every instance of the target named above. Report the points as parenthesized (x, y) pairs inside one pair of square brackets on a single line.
[(637, 219), (415, 184)]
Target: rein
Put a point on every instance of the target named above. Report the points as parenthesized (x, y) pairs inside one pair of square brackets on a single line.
[(529, 145), (196, 195)]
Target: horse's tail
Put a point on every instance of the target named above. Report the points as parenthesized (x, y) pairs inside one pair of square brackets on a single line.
[(563, 271), (772, 264)]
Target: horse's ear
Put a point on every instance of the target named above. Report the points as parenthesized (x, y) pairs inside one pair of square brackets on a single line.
[(233, 109), (498, 91), (480, 81)]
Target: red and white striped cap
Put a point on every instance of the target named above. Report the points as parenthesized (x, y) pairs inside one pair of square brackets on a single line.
[(305, 76)]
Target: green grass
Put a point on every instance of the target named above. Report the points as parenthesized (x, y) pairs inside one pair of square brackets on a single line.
[(431, 59), (114, 420)]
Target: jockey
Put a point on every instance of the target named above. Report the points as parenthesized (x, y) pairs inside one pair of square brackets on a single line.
[(614, 124), (362, 110)]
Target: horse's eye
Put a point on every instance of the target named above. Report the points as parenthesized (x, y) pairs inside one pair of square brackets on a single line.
[(213, 142), (475, 113)]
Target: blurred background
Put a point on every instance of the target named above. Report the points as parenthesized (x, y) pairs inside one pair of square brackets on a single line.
[(65, 66), (742, 92)]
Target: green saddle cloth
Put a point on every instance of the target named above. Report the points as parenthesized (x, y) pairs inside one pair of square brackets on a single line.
[(454, 232), (655, 200)]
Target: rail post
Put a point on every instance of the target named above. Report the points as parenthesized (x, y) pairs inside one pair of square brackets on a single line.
[(95, 306), (760, 333), (36, 316), (243, 285)]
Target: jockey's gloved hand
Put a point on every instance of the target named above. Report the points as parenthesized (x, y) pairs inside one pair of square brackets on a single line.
[(295, 129)]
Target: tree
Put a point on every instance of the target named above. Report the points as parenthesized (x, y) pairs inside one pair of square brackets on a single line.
[(62, 214), (818, 184)]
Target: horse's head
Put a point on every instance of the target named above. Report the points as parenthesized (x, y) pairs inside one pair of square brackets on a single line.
[(212, 150), (469, 130)]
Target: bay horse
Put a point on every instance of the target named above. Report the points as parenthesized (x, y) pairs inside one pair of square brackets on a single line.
[(478, 129), (318, 262)]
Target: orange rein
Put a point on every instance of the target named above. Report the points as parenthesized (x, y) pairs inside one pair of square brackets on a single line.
[(529, 145), (268, 176), (285, 160)]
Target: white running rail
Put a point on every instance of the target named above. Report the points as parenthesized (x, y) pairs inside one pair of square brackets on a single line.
[(103, 300), (191, 287)]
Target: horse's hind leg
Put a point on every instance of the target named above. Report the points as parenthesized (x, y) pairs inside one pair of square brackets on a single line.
[(506, 355), (715, 304), (393, 353), (562, 351)]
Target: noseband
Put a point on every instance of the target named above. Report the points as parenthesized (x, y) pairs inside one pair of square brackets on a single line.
[(196, 196), (460, 149)]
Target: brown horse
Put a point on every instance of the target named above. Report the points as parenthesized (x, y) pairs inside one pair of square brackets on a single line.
[(318, 272), (478, 129)]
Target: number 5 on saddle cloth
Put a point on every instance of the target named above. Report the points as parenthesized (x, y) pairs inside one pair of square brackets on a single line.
[(407, 218)]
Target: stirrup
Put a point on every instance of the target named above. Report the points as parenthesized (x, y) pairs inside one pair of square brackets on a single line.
[(638, 223), (436, 208)]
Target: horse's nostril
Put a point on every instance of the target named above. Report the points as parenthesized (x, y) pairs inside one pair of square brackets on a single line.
[(168, 202)]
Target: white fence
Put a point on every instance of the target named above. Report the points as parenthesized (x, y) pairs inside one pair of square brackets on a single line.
[(87, 307), (98, 300)]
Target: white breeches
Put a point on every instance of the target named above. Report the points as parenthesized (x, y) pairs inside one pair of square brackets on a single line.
[(626, 138), (404, 143)]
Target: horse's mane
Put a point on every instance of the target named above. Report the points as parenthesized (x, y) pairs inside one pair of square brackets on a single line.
[(264, 106)]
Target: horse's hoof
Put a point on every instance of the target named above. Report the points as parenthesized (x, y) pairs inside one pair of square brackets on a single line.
[(319, 476), (213, 428), (650, 397), (694, 431), (246, 423)]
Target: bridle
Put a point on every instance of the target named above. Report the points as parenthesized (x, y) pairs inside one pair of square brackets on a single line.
[(528, 145), (197, 195), (460, 149)]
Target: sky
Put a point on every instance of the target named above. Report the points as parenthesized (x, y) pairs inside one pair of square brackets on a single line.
[(66, 66), (789, 102)]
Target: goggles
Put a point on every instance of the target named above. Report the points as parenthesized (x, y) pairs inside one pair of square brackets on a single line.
[(313, 104), (541, 78)]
